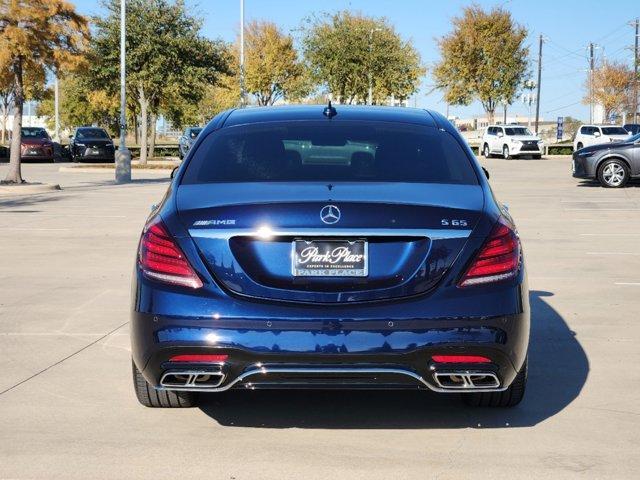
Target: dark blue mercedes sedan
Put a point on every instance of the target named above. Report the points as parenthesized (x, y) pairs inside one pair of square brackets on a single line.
[(330, 247)]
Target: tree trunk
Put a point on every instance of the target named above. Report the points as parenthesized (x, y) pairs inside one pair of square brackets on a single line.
[(490, 116), (5, 115), (14, 174), (152, 141), (144, 122)]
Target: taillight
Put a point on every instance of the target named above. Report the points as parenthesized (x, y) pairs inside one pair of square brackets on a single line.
[(498, 259), (161, 258)]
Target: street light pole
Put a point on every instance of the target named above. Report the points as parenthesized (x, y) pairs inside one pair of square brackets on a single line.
[(242, 92), (56, 108), (636, 53), (123, 155), (370, 96)]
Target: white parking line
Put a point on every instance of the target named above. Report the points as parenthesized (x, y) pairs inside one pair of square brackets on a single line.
[(612, 253), (598, 200), (610, 234), (602, 209), (38, 229)]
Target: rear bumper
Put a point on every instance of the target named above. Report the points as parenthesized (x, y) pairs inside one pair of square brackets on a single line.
[(324, 354)]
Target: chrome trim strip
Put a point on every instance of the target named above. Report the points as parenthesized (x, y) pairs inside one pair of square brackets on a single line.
[(263, 232), (350, 370)]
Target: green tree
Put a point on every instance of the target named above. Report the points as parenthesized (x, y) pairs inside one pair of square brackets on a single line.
[(348, 53), (80, 104), (484, 58), (272, 68), (612, 87), (166, 56), (35, 35)]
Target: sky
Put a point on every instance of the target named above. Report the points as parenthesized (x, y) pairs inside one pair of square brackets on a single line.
[(568, 26)]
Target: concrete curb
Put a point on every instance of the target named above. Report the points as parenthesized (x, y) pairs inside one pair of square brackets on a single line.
[(28, 189), (111, 171)]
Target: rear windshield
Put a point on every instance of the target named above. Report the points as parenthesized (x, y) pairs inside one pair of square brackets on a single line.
[(614, 131), (91, 133), (330, 151)]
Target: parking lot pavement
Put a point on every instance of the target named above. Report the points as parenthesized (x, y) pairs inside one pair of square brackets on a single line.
[(68, 411)]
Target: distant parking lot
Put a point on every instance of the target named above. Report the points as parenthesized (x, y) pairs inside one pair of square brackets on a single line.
[(68, 408)]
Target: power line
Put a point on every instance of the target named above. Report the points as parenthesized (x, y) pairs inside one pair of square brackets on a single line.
[(561, 108)]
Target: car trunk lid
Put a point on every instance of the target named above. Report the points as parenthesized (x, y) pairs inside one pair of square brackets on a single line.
[(246, 233)]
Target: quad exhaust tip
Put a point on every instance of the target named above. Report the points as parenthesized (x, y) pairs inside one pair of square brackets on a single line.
[(464, 380), (192, 379)]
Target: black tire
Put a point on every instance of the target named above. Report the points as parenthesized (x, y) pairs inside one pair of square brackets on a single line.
[(537, 157), (608, 178), (150, 397), (485, 151), (511, 397), (505, 153)]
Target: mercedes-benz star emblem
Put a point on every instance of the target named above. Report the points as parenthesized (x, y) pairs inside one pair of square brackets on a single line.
[(330, 214)]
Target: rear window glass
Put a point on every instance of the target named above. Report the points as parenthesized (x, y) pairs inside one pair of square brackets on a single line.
[(614, 131), (330, 151)]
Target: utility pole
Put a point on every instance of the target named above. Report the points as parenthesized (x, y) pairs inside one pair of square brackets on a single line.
[(636, 53), (591, 67), (123, 155), (242, 92), (539, 82)]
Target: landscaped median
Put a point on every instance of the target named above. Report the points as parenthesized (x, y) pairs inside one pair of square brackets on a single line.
[(10, 189), (158, 165)]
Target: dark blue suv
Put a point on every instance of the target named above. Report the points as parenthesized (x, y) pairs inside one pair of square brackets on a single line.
[(322, 247)]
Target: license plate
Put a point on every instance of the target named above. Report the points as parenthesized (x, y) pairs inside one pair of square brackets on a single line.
[(33, 152), (329, 258), (94, 151)]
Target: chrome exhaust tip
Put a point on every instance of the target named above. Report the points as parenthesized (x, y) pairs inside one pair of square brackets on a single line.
[(191, 379), (465, 380)]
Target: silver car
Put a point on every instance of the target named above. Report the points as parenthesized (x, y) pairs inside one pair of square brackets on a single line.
[(186, 140)]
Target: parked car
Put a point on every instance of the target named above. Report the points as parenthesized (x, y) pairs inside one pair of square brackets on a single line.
[(36, 144), (186, 140), (511, 141), (632, 128), (282, 257), (612, 164), (595, 134), (91, 143)]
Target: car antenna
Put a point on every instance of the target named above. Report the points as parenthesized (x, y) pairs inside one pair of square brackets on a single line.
[(329, 111)]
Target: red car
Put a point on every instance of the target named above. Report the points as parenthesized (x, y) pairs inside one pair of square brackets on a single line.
[(36, 144)]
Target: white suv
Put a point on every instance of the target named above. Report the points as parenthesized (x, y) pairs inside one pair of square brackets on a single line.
[(594, 134), (510, 141)]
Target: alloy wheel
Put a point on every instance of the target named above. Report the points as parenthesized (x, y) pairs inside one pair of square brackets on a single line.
[(613, 174)]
